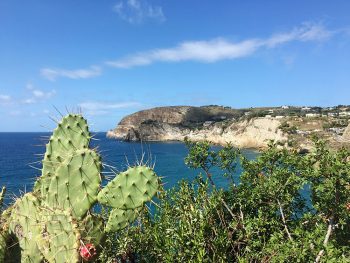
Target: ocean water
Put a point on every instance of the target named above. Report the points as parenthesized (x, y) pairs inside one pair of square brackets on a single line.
[(20, 156)]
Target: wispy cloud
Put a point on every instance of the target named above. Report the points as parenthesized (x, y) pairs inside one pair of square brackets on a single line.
[(137, 11), (5, 99), (221, 49), (100, 108), (37, 95), (53, 74)]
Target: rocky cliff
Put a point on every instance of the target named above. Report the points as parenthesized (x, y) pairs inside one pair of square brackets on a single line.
[(346, 134), (216, 124)]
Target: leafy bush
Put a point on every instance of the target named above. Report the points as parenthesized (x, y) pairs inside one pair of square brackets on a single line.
[(286, 128), (286, 207)]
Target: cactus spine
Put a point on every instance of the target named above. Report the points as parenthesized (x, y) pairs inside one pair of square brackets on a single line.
[(52, 222)]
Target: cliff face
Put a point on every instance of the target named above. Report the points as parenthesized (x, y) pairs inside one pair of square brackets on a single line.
[(136, 126), (197, 123), (346, 134)]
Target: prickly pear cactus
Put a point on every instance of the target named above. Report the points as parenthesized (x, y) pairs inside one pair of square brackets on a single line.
[(51, 223), (24, 224), (59, 239), (75, 184), (130, 189)]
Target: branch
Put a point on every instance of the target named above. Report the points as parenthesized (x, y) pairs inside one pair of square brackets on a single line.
[(329, 232), (213, 184), (241, 214), (284, 221)]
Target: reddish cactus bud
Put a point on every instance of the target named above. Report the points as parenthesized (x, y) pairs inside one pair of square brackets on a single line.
[(87, 252)]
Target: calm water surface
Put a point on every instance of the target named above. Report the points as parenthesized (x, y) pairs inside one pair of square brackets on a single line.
[(20, 154)]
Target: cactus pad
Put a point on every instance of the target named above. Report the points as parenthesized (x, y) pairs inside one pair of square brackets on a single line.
[(130, 189), (119, 219), (59, 239), (71, 134), (24, 224), (76, 183)]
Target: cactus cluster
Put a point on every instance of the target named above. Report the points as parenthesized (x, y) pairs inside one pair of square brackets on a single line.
[(52, 223)]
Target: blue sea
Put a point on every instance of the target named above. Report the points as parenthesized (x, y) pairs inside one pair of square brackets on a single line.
[(20, 156)]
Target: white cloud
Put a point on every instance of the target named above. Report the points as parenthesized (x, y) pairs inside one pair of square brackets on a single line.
[(221, 49), (37, 94), (107, 106), (100, 108), (29, 101), (53, 74), (137, 11), (5, 98)]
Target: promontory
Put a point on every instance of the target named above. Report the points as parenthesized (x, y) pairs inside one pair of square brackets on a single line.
[(244, 128)]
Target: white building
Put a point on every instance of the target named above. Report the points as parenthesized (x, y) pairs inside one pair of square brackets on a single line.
[(344, 113), (305, 108), (332, 114), (311, 115)]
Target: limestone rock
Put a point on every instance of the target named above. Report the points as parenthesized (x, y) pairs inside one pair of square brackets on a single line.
[(197, 123), (346, 134)]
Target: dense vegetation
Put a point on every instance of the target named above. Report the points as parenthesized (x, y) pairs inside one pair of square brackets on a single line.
[(285, 207)]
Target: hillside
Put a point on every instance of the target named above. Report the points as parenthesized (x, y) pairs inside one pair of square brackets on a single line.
[(244, 128)]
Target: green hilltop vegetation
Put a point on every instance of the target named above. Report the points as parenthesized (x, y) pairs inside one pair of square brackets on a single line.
[(336, 117), (285, 207)]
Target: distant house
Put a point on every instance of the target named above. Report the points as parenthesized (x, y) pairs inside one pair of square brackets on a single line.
[(285, 107), (344, 113), (311, 115), (305, 108), (271, 111), (332, 114), (247, 113)]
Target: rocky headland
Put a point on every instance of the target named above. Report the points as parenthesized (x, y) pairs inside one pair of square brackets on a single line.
[(244, 128)]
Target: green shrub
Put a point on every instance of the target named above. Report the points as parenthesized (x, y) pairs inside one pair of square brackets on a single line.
[(286, 207)]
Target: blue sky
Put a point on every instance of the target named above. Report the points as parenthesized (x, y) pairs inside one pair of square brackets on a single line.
[(112, 58)]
